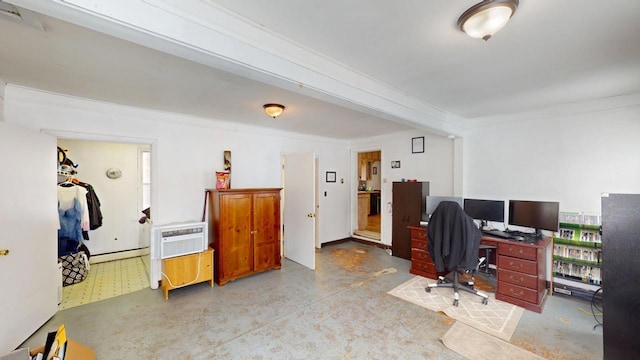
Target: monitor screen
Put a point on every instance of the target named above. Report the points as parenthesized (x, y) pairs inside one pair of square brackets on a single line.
[(540, 215), (485, 210), (434, 201)]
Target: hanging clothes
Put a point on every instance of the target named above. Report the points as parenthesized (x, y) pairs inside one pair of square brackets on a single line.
[(67, 193), (93, 207)]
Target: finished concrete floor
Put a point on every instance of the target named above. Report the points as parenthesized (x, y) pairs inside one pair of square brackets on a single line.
[(339, 311)]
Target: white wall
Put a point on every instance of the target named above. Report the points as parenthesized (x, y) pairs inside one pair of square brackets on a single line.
[(571, 158), (435, 165), (186, 152)]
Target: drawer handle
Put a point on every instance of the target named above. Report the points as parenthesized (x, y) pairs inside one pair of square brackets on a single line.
[(516, 293), (516, 280), (516, 250), (512, 264)]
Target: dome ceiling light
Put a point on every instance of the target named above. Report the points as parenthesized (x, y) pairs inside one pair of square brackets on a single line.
[(273, 110), (486, 18)]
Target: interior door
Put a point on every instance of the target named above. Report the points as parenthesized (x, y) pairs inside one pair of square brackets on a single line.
[(299, 209), (29, 223)]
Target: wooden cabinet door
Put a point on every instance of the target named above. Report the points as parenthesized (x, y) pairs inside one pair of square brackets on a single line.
[(236, 251), (266, 231), (406, 211)]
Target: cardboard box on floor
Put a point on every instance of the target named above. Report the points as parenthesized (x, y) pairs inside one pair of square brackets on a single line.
[(75, 351)]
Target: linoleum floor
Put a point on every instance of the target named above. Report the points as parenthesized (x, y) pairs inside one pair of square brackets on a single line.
[(339, 311)]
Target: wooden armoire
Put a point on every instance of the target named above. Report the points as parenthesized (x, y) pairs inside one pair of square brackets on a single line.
[(408, 206), (244, 231)]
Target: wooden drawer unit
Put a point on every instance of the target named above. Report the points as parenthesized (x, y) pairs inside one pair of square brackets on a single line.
[(522, 273), (517, 265), (518, 292), (518, 278), (421, 263)]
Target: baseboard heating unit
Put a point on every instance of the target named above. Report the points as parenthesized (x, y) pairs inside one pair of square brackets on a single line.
[(173, 240)]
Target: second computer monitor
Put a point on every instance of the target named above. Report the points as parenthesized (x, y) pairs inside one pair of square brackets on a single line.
[(485, 210), (434, 201)]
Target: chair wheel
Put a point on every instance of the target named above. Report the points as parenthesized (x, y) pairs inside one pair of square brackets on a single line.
[(455, 302), (485, 301), (427, 289)]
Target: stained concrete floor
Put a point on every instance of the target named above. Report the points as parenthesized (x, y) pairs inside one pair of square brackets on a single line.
[(339, 311)]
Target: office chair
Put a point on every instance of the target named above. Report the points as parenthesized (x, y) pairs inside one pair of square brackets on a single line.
[(453, 245)]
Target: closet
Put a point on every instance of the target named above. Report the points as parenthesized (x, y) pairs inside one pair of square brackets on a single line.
[(79, 212), (115, 172), (244, 230)]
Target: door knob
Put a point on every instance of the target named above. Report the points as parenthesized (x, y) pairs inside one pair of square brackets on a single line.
[(4, 252), (311, 215)]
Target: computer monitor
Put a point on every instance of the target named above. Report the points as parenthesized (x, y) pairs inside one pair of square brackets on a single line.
[(485, 210), (540, 215), (434, 201)]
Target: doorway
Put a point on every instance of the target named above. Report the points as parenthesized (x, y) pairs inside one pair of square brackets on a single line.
[(120, 174), (369, 195)]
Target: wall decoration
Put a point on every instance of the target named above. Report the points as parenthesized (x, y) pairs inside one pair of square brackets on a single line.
[(227, 168), (375, 170), (331, 176), (417, 145), (114, 173), (395, 164)]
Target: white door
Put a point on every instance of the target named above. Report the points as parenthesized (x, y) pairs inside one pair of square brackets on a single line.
[(299, 209), (29, 223)]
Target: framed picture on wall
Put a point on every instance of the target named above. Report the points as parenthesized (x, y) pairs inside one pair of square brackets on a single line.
[(375, 170), (331, 176), (395, 164), (417, 145)]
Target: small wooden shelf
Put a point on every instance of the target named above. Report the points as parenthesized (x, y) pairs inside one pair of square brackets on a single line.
[(186, 270)]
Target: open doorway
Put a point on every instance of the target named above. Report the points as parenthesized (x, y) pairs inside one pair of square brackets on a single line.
[(369, 195), (120, 175)]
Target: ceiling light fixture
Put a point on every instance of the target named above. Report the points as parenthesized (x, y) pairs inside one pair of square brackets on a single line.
[(486, 18), (273, 110)]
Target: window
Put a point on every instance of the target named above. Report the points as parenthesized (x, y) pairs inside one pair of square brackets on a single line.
[(145, 178)]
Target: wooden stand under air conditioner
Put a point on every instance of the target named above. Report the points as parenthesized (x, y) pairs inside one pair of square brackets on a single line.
[(186, 270), (244, 231)]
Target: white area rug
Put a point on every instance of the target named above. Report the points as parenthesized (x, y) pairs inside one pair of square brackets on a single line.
[(497, 318), (477, 345)]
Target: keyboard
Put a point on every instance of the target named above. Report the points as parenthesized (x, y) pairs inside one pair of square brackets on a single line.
[(497, 233)]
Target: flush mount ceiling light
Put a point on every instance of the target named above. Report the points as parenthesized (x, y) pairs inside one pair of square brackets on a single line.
[(486, 18), (273, 110)]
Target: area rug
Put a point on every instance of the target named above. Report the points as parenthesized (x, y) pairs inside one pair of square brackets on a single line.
[(477, 345), (497, 318)]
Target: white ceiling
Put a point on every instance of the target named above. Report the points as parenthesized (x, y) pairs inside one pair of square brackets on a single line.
[(552, 53)]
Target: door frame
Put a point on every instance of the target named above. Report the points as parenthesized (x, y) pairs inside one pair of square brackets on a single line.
[(354, 197)]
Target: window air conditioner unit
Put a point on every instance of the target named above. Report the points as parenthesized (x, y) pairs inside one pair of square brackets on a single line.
[(179, 239)]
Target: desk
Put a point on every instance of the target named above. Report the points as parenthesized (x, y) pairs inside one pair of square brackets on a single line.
[(521, 268), (521, 272)]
